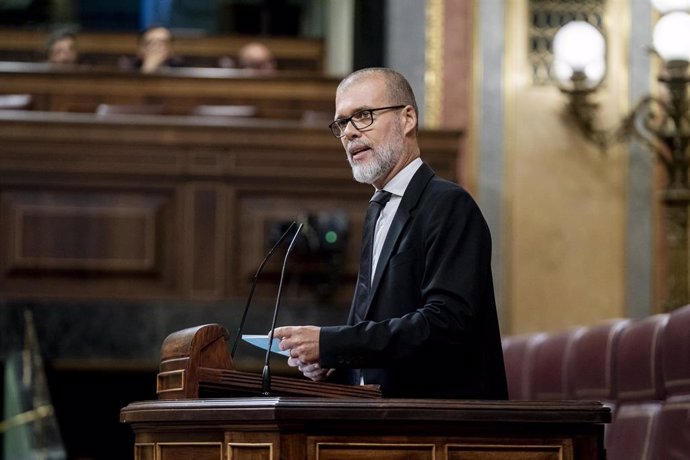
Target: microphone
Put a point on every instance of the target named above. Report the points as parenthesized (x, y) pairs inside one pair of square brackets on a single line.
[(266, 375), (238, 335)]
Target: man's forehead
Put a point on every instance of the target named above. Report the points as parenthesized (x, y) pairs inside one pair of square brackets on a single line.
[(359, 94)]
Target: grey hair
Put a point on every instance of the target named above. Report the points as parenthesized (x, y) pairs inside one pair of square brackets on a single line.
[(398, 88), (57, 35)]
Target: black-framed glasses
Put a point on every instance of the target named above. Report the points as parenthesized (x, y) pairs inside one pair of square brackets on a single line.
[(359, 120)]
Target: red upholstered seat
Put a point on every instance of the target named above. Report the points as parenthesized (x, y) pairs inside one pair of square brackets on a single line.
[(593, 360), (639, 390), (592, 363), (673, 431), (517, 352), (548, 371)]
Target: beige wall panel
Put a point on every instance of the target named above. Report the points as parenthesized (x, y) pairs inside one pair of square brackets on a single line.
[(565, 201)]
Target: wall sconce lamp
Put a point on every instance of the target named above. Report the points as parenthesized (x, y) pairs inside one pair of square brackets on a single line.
[(662, 122)]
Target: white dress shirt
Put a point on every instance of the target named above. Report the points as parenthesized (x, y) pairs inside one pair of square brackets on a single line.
[(397, 186)]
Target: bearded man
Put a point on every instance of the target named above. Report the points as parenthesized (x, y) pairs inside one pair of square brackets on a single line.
[(423, 321)]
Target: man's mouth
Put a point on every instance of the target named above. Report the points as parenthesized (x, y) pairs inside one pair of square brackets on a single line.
[(358, 151)]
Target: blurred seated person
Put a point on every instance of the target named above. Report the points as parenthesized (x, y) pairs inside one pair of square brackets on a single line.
[(155, 51), (256, 56), (61, 48)]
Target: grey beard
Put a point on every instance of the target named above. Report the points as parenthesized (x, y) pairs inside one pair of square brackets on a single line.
[(382, 162)]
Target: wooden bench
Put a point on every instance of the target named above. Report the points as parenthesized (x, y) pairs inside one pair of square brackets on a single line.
[(104, 49), (178, 91)]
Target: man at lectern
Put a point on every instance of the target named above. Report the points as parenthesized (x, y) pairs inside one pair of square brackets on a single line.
[(423, 321)]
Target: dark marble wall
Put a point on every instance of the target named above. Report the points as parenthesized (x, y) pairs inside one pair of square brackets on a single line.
[(101, 355), (102, 334)]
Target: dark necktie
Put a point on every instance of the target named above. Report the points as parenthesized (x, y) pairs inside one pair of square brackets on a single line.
[(376, 204)]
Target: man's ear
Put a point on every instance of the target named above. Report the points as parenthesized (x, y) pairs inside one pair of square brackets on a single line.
[(410, 119)]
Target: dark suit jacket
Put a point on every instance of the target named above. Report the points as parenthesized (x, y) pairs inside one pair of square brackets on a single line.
[(431, 329)]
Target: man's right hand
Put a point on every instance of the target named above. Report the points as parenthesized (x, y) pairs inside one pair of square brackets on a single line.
[(312, 371)]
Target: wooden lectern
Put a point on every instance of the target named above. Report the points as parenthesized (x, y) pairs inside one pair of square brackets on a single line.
[(196, 361), (312, 420)]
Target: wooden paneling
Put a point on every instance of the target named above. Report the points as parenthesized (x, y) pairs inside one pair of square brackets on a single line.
[(149, 207), (208, 227), (144, 451), (186, 450), (81, 240), (250, 451), (369, 451), (538, 450), (353, 428), (90, 232)]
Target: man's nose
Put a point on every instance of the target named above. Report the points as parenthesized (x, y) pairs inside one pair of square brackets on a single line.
[(350, 130)]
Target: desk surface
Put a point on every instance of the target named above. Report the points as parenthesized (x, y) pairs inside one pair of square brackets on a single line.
[(310, 409)]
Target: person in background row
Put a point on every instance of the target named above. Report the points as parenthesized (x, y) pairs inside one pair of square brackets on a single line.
[(155, 51), (256, 56), (61, 48), (423, 321)]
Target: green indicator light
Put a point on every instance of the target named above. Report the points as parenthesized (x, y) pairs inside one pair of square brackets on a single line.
[(331, 237)]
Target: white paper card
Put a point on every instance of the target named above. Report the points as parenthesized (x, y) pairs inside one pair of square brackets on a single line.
[(261, 341)]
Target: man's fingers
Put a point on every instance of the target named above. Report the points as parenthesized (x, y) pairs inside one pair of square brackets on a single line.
[(294, 362), (315, 372), (283, 334), (282, 331), (308, 368)]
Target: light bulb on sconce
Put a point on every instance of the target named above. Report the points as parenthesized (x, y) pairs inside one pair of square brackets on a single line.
[(579, 64), (672, 38), (667, 6), (579, 54)]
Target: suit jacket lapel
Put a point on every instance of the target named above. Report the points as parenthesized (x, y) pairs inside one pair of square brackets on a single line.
[(409, 201)]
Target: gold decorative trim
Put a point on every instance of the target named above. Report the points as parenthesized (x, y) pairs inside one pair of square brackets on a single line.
[(144, 451), (564, 449), (378, 447), (471, 162), (24, 418), (250, 445), (433, 75), (515, 70), (168, 376), (175, 446)]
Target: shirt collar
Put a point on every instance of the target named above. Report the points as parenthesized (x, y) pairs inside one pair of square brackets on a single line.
[(398, 184)]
